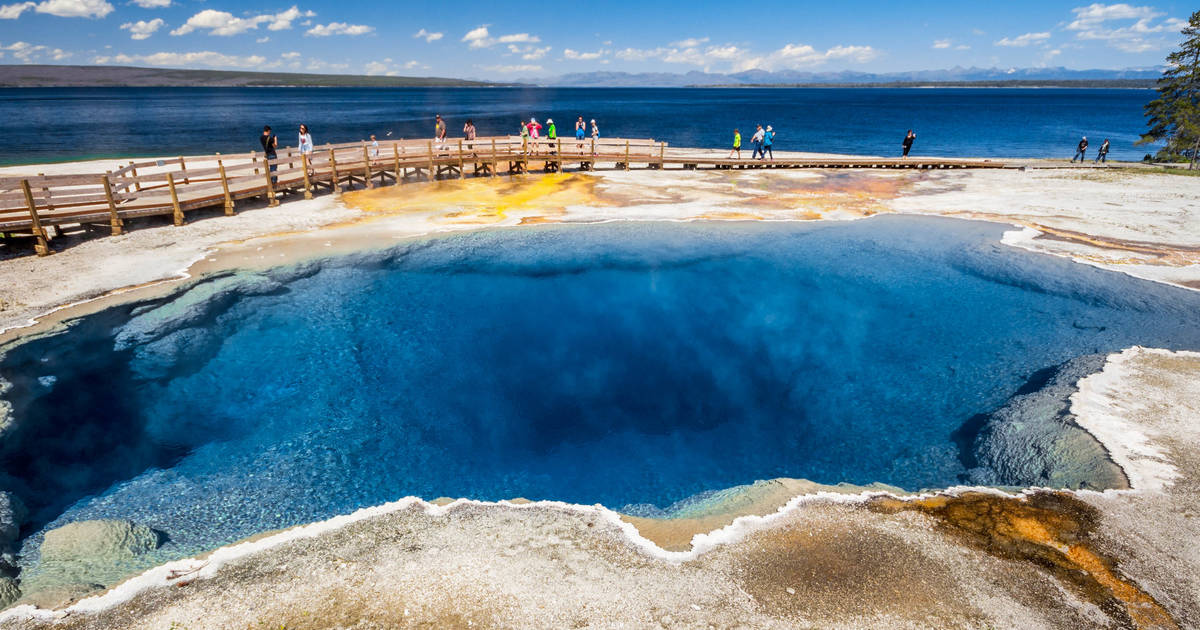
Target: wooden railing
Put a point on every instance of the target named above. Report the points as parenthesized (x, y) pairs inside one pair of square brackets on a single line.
[(30, 205)]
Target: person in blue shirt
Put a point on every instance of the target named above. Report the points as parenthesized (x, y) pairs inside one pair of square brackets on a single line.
[(768, 140)]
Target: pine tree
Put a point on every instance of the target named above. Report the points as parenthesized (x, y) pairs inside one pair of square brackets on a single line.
[(1175, 114)]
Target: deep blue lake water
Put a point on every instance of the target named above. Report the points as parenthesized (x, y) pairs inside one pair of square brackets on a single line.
[(44, 124), (621, 363)]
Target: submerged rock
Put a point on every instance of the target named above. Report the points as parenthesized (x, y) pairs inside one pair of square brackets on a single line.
[(9, 591), (1033, 439), (12, 514), (98, 541)]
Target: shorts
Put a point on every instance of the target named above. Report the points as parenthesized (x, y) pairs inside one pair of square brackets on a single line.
[(579, 135)]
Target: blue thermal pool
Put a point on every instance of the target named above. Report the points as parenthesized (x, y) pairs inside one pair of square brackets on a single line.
[(629, 364)]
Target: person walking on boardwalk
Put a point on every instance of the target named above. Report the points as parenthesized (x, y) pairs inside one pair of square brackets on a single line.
[(1102, 152), (551, 133), (756, 140), (737, 144), (1081, 150), (374, 147), (469, 135), (595, 136), (580, 133), (524, 136), (908, 141), (439, 131), (768, 141), (269, 144), (534, 128), (305, 143)]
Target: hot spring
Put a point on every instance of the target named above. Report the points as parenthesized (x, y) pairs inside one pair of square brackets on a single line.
[(634, 365)]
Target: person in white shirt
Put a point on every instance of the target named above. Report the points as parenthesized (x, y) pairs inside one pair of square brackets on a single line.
[(305, 143)]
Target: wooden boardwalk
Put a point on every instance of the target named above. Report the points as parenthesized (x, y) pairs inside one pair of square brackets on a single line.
[(31, 205)]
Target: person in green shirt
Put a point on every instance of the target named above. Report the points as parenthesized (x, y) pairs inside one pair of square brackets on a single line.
[(551, 133), (737, 144)]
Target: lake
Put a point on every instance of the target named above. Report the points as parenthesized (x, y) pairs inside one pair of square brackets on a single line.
[(55, 124)]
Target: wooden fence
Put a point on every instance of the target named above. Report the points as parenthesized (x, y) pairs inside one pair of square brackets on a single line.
[(30, 205)]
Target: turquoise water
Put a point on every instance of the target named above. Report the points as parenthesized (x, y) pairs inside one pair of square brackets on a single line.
[(625, 364), (43, 124)]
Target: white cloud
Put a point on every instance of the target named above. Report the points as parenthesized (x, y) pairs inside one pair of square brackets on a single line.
[(153, 4), (1022, 41), (691, 42), (481, 38), (510, 69), (60, 8), (427, 36), (204, 59), (282, 21), (225, 23), (339, 28), (533, 53), (262, 40), (583, 56), (14, 11), (290, 55), (942, 43), (142, 29), (740, 59), (28, 53), (1142, 34), (376, 68)]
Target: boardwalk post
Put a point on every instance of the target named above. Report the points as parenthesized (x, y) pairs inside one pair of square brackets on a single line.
[(333, 171), (42, 247), (307, 182), (493, 167), (225, 188), (271, 200), (254, 158), (183, 167), (461, 173), (662, 153), (114, 219), (396, 155), (367, 167), (431, 173), (133, 171), (627, 155), (175, 200), (558, 155)]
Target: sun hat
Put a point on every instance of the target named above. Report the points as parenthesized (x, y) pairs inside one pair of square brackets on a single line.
[(593, 120), (549, 121), (770, 128)]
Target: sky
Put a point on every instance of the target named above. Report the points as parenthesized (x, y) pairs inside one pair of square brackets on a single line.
[(503, 41)]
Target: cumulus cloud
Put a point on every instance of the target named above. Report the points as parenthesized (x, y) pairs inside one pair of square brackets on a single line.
[(1022, 41), (153, 4), (60, 8), (1142, 30), (481, 38), (225, 23), (427, 36), (942, 43), (142, 29), (339, 28), (691, 42), (569, 53), (203, 59), (739, 59)]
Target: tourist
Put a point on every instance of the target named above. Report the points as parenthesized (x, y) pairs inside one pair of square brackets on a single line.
[(269, 144), (524, 136), (305, 142), (439, 130), (551, 133), (469, 134), (580, 134), (1080, 150), (768, 140), (1102, 154), (737, 144), (534, 128), (908, 141), (374, 147), (595, 135), (757, 140)]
